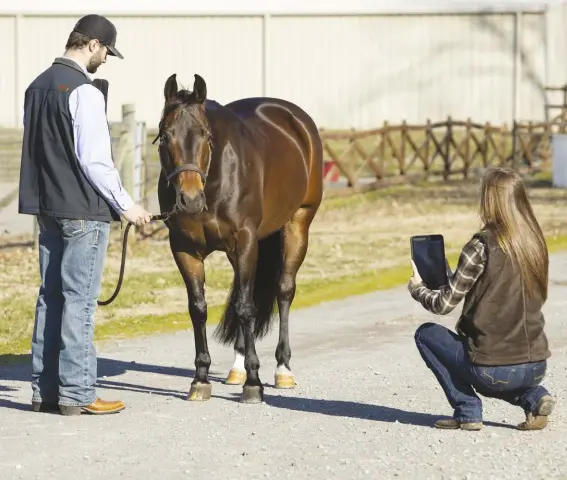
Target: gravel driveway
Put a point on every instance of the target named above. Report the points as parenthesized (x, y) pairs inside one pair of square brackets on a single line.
[(364, 408)]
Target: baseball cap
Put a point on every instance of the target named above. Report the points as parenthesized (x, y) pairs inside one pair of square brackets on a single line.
[(101, 29)]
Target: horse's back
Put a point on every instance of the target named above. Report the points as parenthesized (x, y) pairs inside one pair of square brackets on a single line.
[(292, 153), (250, 107), (274, 119)]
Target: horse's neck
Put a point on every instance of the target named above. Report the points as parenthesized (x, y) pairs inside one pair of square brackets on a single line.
[(223, 122)]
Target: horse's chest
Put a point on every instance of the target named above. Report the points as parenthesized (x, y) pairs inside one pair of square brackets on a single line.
[(206, 236)]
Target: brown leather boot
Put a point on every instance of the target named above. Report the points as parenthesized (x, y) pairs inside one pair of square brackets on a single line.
[(452, 424), (98, 407), (537, 420)]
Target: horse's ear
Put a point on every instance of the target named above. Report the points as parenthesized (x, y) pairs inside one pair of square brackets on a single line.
[(170, 88), (199, 89)]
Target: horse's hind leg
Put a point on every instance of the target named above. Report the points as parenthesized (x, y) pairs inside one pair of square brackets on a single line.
[(237, 374), (296, 233), (192, 270)]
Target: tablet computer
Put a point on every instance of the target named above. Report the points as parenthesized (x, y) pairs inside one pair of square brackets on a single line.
[(428, 254)]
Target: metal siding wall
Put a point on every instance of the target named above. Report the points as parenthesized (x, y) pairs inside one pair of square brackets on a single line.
[(225, 51), (7, 71), (557, 41), (359, 71), (533, 82), (345, 71)]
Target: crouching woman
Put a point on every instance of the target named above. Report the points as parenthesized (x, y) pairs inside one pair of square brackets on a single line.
[(500, 348)]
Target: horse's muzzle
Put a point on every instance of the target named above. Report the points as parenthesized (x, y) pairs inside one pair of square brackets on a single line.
[(191, 205)]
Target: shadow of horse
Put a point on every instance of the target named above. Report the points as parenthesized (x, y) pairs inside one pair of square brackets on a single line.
[(17, 368)]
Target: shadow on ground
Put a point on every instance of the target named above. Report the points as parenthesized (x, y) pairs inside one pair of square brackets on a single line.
[(347, 409), (20, 371), (17, 368)]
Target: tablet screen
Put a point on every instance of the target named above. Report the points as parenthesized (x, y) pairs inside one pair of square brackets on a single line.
[(428, 254)]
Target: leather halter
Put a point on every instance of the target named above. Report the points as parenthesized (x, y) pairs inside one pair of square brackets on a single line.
[(189, 167)]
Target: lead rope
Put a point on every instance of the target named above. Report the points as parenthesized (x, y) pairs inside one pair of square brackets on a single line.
[(153, 218)]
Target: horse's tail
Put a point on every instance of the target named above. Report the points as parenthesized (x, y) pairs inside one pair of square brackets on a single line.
[(266, 285)]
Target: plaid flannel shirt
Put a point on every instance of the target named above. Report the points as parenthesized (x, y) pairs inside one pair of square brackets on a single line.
[(472, 262)]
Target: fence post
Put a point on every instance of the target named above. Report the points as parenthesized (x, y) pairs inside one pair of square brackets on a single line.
[(128, 148), (467, 160), (129, 128), (515, 149), (448, 140), (35, 235)]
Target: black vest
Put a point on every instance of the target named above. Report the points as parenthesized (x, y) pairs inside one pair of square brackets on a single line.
[(51, 180)]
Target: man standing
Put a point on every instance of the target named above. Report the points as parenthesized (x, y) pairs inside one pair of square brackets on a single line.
[(69, 182)]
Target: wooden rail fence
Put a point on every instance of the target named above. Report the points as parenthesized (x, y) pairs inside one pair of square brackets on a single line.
[(393, 153)]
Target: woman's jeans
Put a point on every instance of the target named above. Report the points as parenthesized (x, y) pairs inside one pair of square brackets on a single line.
[(445, 353), (71, 261)]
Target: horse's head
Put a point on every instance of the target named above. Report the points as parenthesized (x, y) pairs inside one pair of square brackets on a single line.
[(185, 147)]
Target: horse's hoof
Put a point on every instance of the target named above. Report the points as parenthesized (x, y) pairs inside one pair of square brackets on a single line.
[(236, 377), (283, 380), (200, 392), (252, 394)]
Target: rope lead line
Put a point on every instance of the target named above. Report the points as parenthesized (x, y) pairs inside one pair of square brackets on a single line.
[(153, 218)]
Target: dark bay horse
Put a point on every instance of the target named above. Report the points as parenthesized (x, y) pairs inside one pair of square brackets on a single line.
[(246, 179)]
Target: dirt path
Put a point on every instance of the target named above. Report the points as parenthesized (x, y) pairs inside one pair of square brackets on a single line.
[(363, 408)]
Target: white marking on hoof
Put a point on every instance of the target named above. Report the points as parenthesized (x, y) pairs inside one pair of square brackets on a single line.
[(283, 370), (238, 362)]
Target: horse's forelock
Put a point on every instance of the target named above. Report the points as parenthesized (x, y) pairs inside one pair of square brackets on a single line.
[(182, 99)]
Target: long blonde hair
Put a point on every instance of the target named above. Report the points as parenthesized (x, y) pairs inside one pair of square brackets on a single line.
[(506, 212)]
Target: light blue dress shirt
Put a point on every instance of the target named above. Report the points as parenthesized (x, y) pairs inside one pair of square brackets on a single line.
[(93, 144)]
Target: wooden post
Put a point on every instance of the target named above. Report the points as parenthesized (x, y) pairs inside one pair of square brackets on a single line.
[(447, 153), (144, 176), (403, 136), (382, 161), (467, 156), (503, 138), (428, 158), (128, 145), (144, 188), (515, 149), (35, 234), (129, 128)]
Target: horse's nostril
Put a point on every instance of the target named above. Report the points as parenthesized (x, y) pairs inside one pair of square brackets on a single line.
[(190, 205)]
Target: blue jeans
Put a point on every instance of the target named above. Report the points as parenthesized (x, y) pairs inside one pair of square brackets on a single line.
[(71, 261), (445, 353)]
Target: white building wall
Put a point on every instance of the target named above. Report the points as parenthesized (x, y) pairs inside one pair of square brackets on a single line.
[(7, 70), (346, 71), (557, 37), (225, 51), (360, 71)]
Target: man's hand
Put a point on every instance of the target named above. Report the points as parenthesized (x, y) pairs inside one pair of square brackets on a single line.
[(137, 215)]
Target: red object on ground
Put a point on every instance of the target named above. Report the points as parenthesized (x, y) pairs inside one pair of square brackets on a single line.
[(327, 166)]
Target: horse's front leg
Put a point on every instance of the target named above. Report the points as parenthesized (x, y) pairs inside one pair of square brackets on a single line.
[(193, 272), (247, 257)]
